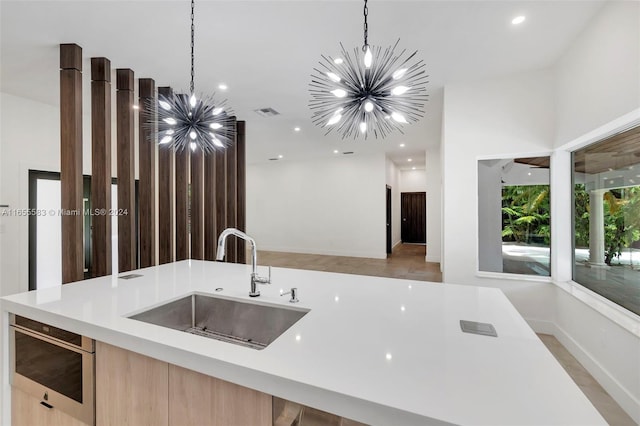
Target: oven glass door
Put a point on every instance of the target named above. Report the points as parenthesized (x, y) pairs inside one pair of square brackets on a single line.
[(53, 366)]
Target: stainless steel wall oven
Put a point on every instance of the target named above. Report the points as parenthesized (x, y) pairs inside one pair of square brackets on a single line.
[(54, 365)]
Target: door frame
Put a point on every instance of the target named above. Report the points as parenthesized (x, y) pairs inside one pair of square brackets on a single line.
[(389, 220)]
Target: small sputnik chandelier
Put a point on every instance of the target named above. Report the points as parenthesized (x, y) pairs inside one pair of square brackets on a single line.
[(373, 91), (185, 121)]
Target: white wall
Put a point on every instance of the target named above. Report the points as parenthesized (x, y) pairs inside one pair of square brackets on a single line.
[(29, 139), (490, 215), (598, 90), (509, 117), (433, 177), (598, 77), (332, 206), (413, 181), (393, 176)]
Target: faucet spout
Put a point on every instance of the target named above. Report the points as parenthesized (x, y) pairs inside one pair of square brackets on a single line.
[(220, 253)]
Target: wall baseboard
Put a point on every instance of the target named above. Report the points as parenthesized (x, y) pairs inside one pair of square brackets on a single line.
[(542, 326), (618, 392), (434, 259)]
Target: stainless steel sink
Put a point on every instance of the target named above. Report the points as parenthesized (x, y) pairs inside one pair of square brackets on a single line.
[(254, 325)]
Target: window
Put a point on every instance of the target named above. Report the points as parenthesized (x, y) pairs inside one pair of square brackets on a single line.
[(606, 179), (514, 233)]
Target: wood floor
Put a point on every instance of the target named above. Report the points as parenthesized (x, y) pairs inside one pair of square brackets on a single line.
[(407, 262)]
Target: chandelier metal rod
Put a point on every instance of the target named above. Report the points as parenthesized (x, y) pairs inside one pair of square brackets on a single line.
[(193, 30)]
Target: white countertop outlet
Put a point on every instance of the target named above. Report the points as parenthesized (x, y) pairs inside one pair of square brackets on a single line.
[(377, 350)]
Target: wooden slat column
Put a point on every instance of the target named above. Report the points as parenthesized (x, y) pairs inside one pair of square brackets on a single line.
[(231, 194), (101, 166), (126, 177), (221, 193), (71, 161), (210, 207), (165, 197), (197, 204), (182, 204), (241, 189), (147, 160)]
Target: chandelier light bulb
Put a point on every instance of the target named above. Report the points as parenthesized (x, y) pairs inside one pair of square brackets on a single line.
[(193, 101), (216, 141), (368, 106), (338, 61), (399, 90), (368, 58), (193, 135), (335, 119), (166, 139), (170, 132), (363, 127), (339, 93), (165, 105), (170, 121), (193, 146), (216, 126), (217, 111), (399, 73), (334, 77), (398, 117)]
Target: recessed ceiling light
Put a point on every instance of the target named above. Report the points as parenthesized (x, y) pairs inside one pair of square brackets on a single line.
[(518, 20), (529, 174), (401, 145), (296, 129), (338, 61), (409, 160), (280, 156), (335, 151), (413, 168), (222, 86), (136, 107)]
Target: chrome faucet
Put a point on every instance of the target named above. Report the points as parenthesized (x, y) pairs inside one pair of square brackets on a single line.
[(255, 278)]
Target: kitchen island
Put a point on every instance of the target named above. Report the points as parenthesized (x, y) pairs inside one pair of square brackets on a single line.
[(375, 350)]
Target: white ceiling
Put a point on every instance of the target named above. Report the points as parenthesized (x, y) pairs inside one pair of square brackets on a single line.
[(265, 52)]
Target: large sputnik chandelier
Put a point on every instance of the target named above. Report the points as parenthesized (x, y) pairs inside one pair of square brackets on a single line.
[(373, 91), (186, 121)]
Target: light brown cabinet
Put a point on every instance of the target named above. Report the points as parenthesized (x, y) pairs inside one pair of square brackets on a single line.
[(199, 400), (131, 389), (135, 390), (26, 410)]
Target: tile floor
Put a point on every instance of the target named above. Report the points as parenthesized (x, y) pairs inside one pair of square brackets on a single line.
[(407, 262)]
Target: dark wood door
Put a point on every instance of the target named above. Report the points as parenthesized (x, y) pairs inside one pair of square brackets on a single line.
[(389, 243), (414, 217)]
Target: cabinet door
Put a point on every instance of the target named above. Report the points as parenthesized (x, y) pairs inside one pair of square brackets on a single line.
[(197, 399), (131, 389), (27, 411)]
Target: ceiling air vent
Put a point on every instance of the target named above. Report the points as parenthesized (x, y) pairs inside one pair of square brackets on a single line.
[(266, 112), (274, 159), (347, 152)]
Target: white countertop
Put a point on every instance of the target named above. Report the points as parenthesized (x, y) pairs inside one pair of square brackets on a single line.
[(377, 350)]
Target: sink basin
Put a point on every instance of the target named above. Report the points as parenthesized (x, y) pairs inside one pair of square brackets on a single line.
[(254, 325)]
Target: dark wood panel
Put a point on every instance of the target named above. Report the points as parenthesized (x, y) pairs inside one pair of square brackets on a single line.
[(71, 161), (147, 163), (414, 217), (101, 166), (165, 198), (182, 205), (210, 232), (389, 221), (221, 191), (197, 205), (125, 164), (241, 192), (232, 192)]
